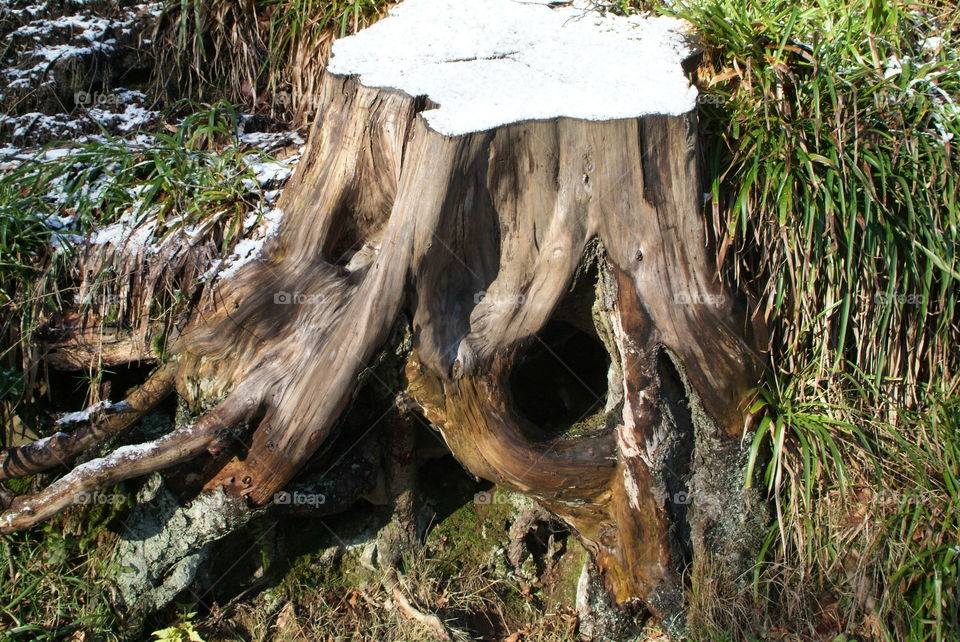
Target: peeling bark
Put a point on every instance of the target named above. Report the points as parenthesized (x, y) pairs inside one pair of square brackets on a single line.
[(164, 543)]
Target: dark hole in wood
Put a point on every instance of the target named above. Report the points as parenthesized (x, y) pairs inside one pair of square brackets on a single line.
[(677, 464), (560, 382)]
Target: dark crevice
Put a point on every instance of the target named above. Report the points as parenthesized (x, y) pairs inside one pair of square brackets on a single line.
[(561, 380), (677, 464)]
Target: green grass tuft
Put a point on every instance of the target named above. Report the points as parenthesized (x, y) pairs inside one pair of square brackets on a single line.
[(829, 131)]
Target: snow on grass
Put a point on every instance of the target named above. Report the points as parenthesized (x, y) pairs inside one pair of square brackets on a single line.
[(932, 44), (132, 117), (493, 62), (30, 10), (268, 141), (89, 28), (250, 249), (119, 235), (8, 151), (22, 126), (120, 111), (269, 172), (123, 120), (136, 231)]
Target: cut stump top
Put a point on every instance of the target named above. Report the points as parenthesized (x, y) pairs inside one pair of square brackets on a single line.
[(488, 63)]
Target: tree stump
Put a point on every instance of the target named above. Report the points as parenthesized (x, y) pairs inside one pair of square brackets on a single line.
[(519, 181)]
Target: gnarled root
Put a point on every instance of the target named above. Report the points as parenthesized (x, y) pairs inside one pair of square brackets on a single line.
[(62, 448), (123, 463)]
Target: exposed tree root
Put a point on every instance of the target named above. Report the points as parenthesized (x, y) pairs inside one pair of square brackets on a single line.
[(123, 463), (62, 448), (428, 620)]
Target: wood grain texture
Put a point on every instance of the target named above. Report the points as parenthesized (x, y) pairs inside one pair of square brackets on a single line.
[(480, 240)]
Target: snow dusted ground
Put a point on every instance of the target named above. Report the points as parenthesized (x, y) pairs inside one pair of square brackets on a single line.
[(272, 160), (132, 236), (270, 176), (61, 79), (125, 113), (64, 65)]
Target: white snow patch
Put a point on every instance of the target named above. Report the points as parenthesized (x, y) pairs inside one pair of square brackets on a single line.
[(249, 249), (125, 235), (52, 53), (59, 223), (893, 67), (269, 172), (37, 123), (58, 152), (63, 243), (41, 443), (90, 28), (268, 141), (493, 62), (132, 117), (115, 235), (84, 416), (945, 114), (933, 44)]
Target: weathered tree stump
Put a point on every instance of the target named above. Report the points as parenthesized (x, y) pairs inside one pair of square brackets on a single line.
[(515, 179)]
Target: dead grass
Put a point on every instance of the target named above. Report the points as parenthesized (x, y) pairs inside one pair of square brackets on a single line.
[(264, 54)]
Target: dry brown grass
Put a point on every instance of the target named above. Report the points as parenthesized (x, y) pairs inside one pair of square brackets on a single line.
[(265, 54)]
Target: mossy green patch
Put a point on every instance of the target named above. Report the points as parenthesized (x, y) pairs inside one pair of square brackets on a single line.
[(469, 534), (562, 590)]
